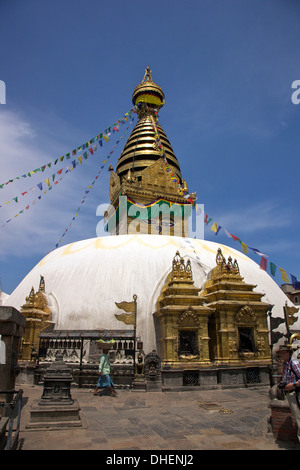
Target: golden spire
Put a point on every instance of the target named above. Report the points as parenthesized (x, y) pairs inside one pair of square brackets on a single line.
[(141, 173), (141, 149)]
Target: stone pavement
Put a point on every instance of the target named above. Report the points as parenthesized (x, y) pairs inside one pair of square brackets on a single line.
[(235, 419)]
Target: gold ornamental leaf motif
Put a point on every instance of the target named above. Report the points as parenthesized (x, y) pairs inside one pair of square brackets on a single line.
[(128, 319), (129, 307)]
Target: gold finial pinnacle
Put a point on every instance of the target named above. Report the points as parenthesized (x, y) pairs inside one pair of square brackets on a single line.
[(147, 76), (180, 268), (42, 284)]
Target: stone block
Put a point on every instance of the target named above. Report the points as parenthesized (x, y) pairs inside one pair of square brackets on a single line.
[(283, 423), (54, 416)]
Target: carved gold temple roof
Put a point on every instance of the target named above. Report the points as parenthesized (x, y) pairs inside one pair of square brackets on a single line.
[(36, 300), (227, 287)]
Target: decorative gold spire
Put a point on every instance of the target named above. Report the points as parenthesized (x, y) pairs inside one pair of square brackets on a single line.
[(180, 269), (141, 149), (147, 76), (42, 284), (38, 317), (227, 268), (141, 173)]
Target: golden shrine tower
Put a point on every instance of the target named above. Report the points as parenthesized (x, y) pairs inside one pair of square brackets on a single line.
[(148, 174)]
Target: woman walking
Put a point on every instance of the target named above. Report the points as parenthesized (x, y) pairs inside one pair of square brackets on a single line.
[(104, 372)]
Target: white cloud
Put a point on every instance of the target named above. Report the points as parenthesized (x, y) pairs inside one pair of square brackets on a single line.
[(259, 217)]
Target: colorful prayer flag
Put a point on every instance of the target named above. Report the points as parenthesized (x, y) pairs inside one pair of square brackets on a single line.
[(245, 248), (284, 275), (235, 238), (227, 233), (258, 252), (295, 282), (263, 264), (214, 227), (273, 268), (207, 220)]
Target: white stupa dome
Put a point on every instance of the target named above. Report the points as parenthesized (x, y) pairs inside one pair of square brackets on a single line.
[(3, 296), (84, 279)]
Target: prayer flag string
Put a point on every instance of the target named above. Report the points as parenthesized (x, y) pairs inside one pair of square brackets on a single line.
[(44, 189), (51, 179), (51, 184), (89, 188), (103, 136), (215, 227)]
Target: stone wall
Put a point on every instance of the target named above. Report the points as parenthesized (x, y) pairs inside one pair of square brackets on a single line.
[(12, 325)]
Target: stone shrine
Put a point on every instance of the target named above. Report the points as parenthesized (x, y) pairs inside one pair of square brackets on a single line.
[(56, 408)]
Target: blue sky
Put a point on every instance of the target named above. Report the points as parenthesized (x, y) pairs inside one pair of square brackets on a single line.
[(226, 68)]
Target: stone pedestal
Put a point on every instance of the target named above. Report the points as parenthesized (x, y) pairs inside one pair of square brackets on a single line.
[(139, 383), (56, 408), (54, 416)]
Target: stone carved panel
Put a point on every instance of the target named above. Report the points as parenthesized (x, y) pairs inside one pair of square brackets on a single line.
[(246, 316), (152, 366), (188, 318)]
